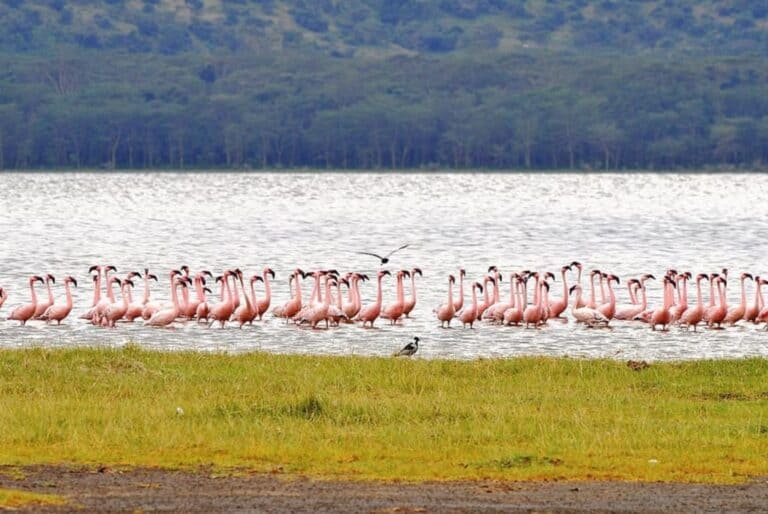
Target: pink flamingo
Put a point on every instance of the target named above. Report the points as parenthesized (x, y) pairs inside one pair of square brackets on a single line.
[(557, 307), (395, 310), (318, 312), (3, 296), (496, 311), (446, 311), (590, 317), (579, 269), (592, 303), (336, 312), (628, 312), (749, 315), (486, 299), (166, 316), (489, 310), (662, 316), (762, 316), (371, 312), (25, 312), (514, 315), (246, 312), (289, 309), (410, 303), (263, 305), (202, 308), (223, 310), (58, 312), (43, 305), (692, 317), (352, 307), (101, 307), (150, 307), (737, 312), (716, 314), (533, 313), (678, 310), (117, 310), (314, 299), (459, 302), (609, 309), (469, 315)]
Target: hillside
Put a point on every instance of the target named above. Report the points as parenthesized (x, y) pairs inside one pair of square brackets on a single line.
[(385, 27)]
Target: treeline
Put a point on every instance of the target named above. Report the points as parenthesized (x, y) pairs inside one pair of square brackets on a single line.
[(285, 110)]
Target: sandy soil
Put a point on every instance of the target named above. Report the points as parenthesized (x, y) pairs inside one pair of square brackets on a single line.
[(148, 490)]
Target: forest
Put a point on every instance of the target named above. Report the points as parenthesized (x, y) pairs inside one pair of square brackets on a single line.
[(505, 93)]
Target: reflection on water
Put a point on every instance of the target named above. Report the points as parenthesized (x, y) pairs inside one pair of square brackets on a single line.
[(623, 224)]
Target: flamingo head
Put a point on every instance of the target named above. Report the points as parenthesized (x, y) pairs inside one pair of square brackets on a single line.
[(763, 282), (207, 290), (51, 278), (477, 285), (492, 268), (36, 278), (270, 271), (381, 273), (153, 277), (688, 275), (564, 269), (132, 274), (747, 275), (407, 273), (615, 278), (127, 282), (702, 276), (723, 281), (463, 272), (575, 287), (451, 279), (345, 282), (110, 268), (185, 269), (95, 278), (724, 271), (207, 273), (671, 282), (578, 265), (416, 270), (70, 279), (256, 278), (220, 278), (174, 273), (713, 276), (549, 274), (97, 269), (545, 285), (595, 272), (671, 272), (647, 276)]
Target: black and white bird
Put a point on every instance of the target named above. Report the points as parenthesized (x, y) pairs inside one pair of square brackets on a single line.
[(409, 349), (384, 259)]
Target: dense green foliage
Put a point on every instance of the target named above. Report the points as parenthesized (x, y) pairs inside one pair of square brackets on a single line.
[(383, 84)]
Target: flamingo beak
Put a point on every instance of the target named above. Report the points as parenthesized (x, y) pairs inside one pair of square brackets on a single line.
[(271, 273), (207, 290), (407, 273), (749, 276), (259, 279), (92, 269), (570, 291), (154, 277), (111, 268), (73, 281), (417, 270)]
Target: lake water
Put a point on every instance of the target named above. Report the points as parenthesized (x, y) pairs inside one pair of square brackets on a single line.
[(626, 224)]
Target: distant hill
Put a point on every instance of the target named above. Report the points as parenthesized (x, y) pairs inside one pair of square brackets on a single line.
[(361, 28)]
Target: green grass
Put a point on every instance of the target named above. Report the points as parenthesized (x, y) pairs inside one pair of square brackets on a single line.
[(364, 418), (11, 499)]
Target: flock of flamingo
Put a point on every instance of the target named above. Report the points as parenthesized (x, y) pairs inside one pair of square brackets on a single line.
[(329, 306)]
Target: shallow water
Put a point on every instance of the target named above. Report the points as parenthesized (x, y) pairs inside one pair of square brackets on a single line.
[(626, 224)]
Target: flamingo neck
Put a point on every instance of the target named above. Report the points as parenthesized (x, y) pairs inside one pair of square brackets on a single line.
[(743, 294), (68, 293), (146, 289), (50, 293), (565, 288), (602, 290), (413, 287), (631, 289), (97, 290), (32, 289), (474, 298), (699, 299), (592, 287)]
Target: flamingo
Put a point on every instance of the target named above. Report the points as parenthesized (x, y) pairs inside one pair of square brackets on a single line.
[(117, 310), (592, 303), (716, 314), (489, 309), (43, 305), (3, 296), (737, 312), (534, 313), (96, 293), (336, 312), (609, 309), (693, 316), (246, 312), (662, 316), (395, 310), (292, 306), (496, 311), (587, 315), (628, 312), (25, 312), (149, 307), (101, 307), (223, 310), (410, 303), (446, 311), (557, 307), (579, 268), (263, 305), (58, 312), (486, 300), (749, 315), (469, 315), (371, 312), (678, 310), (459, 302), (318, 312), (514, 315), (352, 307), (166, 316)]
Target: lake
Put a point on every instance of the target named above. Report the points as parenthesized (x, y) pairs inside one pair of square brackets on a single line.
[(626, 224)]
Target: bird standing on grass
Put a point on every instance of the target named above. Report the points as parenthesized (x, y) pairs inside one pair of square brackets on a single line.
[(409, 349)]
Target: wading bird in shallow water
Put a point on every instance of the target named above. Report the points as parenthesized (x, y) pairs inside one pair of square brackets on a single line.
[(58, 312), (384, 259), (586, 315), (42, 305), (409, 349), (446, 311), (25, 312)]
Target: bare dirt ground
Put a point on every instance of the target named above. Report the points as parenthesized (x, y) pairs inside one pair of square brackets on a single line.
[(149, 490)]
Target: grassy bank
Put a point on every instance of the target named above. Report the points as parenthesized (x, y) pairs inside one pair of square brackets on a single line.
[(531, 418)]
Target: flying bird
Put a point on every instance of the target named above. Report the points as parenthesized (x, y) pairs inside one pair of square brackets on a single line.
[(409, 349), (384, 259)]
